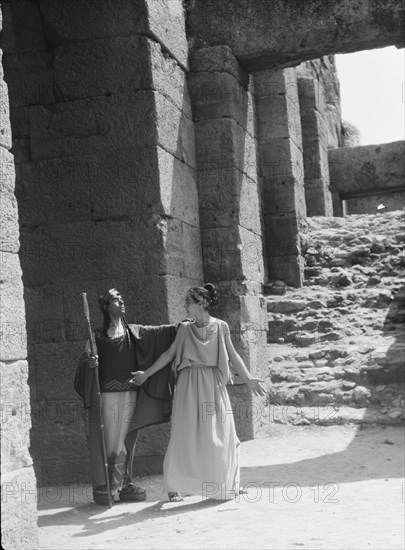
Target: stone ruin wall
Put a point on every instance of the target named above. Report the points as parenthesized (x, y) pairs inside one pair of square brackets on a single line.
[(18, 483), (365, 177), (99, 95)]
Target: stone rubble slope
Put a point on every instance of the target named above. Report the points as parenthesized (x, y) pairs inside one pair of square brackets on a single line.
[(337, 345)]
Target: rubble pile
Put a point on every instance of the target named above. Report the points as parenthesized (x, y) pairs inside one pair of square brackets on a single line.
[(338, 344)]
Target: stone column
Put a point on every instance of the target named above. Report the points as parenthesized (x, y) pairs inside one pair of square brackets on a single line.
[(230, 210), (18, 484), (314, 137), (107, 193), (282, 173)]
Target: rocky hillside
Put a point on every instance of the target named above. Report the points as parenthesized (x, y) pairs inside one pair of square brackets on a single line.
[(337, 346)]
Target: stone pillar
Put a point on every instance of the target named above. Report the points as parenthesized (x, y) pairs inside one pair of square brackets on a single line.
[(107, 193), (314, 137), (230, 210), (282, 173), (18, 484)]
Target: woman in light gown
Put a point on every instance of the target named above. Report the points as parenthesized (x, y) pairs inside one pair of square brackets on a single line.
[(203, 456)]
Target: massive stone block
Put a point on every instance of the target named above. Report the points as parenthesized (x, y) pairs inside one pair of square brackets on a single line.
[(281, 171), (65, 420), (372, 203), (222, 143), (19, 509), (13, 330), (60, 359), (236, 194), (85, 188), (18, 483), (30, 77), (283, 247), (232, 252), (315, 143), (70, 21), (229, 197), (282, 177), (9, 241), (277, 104), (358, 170), (103, 126), (5, 131), (218, 95), (16, 420), (266, 35)]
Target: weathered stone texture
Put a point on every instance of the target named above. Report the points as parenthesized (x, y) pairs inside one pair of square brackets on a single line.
[(5, 130), (358, 170), (282, 177), (13, 330), (79, 188), (281, 169), (229, 195), (369, 204), (247, 410), (314, 137), (283, 247), (16, 421), (59, 359), (119, 67), (65, 419), (103, 252), (103, 126), (231, 191), (69, 21), (18, 484), (8, 212), (30, 78), (232, 253), (265, 35), (327, 92), (278, 108), (221, 142), (19, 510)]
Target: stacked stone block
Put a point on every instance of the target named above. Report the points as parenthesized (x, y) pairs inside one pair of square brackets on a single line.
[(369, 176), (282, 173), (229, 199), (18, 483), (314, 137), (106, 183)]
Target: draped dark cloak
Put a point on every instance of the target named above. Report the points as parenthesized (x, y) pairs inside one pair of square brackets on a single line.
[(154, 400)]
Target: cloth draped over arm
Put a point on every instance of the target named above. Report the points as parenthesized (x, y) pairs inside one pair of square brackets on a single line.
[(154, 399), (156, 395)]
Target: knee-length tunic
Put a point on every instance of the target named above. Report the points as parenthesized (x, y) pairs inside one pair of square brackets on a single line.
[(203, 456)]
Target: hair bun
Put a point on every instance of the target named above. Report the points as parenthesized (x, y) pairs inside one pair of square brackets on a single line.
[(210, 288)]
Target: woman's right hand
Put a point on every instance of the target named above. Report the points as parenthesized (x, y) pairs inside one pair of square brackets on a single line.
[(139, 378), (93, 361)]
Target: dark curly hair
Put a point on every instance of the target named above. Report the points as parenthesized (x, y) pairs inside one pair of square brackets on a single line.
[(208, 292)]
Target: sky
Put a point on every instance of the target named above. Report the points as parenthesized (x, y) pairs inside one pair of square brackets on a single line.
[(372, 88)]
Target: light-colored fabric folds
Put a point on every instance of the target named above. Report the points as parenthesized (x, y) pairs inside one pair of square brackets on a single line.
[(203, 453)]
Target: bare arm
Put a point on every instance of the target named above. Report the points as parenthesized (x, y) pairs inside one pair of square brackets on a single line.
[(239, 365), (167, 356)]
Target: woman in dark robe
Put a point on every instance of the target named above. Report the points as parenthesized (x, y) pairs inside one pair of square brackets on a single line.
[(121, 348)]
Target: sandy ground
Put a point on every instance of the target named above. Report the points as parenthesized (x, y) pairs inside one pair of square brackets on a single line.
[(308, 487)]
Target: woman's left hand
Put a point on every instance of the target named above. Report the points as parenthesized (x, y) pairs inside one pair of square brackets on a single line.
[(139, 378), (256, 386)]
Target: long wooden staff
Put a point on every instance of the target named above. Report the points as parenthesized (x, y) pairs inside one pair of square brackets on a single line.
[(100, 406)]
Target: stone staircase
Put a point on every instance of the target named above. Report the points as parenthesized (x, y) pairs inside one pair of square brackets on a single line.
[(337, 346)]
